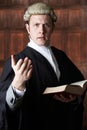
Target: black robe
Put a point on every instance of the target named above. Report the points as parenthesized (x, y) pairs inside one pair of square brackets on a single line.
[(38, 111)]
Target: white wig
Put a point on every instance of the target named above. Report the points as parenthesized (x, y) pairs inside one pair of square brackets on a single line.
[(39, 8)]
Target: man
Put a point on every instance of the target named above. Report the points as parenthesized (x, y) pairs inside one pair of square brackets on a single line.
[(26, 75)]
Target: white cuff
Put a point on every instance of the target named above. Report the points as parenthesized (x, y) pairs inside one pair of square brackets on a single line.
[(19, 92)]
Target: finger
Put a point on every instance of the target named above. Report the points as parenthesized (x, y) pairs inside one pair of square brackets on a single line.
[(19, 64), (28, 70), (29, 65), (24, 65), (29, 73), (60, 97), (16, 65), (72, 97)]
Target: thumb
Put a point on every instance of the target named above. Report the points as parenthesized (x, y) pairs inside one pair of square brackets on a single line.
[(13, 61)]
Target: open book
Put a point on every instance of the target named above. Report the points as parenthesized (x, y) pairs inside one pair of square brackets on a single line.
[(76, 88)]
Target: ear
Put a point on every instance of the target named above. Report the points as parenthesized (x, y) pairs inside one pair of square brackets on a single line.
[(27, 28)]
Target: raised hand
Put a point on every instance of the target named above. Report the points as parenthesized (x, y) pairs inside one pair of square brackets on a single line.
[(22, 70)]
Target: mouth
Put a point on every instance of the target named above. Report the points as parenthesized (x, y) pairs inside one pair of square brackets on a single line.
[(42, 38)]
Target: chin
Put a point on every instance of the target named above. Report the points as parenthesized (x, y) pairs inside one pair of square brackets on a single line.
[(41, 43)]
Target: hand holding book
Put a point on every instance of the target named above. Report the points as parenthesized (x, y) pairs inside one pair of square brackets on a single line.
[(64, 97)]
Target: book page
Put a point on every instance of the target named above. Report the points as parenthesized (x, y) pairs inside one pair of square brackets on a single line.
[(79, 83), (55, 89)]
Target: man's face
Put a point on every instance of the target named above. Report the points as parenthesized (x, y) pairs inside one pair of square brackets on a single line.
[(40, 29)]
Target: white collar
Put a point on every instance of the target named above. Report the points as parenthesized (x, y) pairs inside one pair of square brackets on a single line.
[(40, 49)]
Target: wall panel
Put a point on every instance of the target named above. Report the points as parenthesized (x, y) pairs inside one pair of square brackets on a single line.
[(70, 33)]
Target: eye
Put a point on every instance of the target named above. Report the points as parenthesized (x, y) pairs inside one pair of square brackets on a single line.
[(37, 25), (47, 25)]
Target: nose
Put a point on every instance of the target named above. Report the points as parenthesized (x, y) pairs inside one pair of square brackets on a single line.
[(42, 29)]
